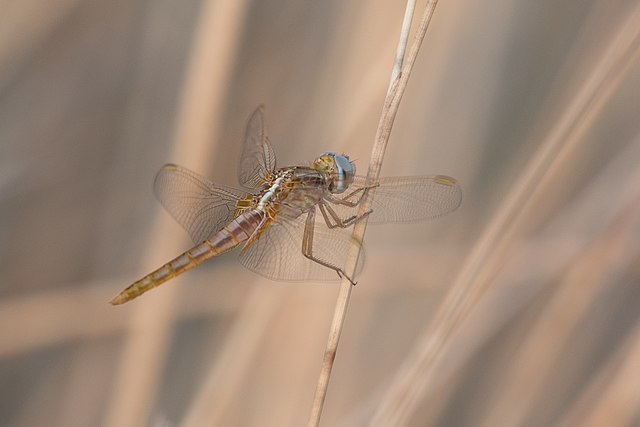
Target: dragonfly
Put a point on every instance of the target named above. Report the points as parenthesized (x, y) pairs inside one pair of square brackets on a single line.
[(294, 222)]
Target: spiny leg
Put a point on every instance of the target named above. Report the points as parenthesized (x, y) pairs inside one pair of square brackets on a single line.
[(339, 222), (307, 246), (345, 200), (326, 218)]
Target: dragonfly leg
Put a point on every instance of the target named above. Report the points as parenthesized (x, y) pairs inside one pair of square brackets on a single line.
[(339, 222), (307, 246), (352, 203), (326, 217)]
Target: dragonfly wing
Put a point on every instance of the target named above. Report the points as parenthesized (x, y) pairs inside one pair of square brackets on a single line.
[(258, 159), (408, 198), (197, 204), (277, 254)]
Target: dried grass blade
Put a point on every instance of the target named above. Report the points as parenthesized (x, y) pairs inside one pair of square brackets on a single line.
[(147, 339), (390, 108), (412, 379)]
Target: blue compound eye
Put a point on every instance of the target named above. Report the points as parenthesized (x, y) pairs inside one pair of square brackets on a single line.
[(345, 172)]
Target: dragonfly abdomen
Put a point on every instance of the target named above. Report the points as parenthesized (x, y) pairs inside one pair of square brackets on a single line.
[(236, 232)]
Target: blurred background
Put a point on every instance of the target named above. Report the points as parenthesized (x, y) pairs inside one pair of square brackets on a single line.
[(532, 106)]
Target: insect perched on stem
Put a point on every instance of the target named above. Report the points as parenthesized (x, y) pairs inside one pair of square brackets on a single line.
[(294, 221)]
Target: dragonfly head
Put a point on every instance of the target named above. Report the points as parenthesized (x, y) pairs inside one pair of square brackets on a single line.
[(338, 168)]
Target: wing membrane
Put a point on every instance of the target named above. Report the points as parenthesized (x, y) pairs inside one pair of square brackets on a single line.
[(258, 159), (405, 199), (277, 254), (197, 204)]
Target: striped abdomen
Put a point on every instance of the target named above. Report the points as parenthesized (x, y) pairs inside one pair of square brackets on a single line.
[(238, 230)]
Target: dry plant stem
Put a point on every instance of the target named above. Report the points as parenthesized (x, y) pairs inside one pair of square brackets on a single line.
[(618, 403), (238, 352), (475, 276), (577, 293), (513, 403), (402, 41), (402, 70), (612, 397), (148, 337), (62, 313)]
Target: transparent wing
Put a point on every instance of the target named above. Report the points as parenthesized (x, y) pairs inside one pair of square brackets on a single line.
[(408, 198), (196, 203), (277, 254), (258, 159)]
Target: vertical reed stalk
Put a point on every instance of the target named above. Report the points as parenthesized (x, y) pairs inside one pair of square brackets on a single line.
[(147, 339), (611, 397), (399, 78), (475, 277)]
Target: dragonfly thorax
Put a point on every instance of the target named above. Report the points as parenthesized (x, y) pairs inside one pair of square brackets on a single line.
[(338, 170), (272, 188)]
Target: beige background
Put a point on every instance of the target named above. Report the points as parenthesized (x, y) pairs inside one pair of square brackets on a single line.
[(95, 95)]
